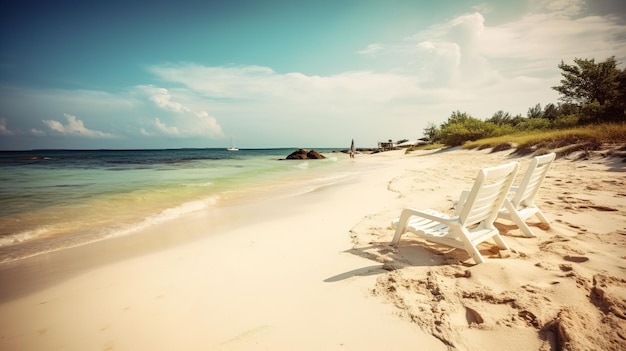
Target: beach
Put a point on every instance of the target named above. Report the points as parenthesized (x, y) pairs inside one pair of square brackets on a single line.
[(315, 271)]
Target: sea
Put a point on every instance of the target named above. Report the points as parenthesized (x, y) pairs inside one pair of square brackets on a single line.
[(55, 199)]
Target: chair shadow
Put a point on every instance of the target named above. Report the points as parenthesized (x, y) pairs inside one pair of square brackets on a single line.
[(411, 252), (389, 259), (359, 272), (508, 229)]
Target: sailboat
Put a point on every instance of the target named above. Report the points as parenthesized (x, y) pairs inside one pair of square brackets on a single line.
[(232, 146)]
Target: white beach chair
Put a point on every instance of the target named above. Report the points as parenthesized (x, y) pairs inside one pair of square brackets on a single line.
[(473, 223), (520, 205)]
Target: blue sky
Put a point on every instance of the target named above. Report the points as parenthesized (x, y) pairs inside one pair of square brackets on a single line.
[(164, 74)]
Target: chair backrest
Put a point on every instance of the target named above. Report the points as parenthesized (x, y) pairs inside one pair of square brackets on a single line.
[(488, 193), (536, 172)]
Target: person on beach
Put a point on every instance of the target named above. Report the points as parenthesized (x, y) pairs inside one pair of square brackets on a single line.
[(351, 152)]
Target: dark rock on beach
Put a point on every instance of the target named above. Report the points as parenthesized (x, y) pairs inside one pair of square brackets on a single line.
[(303, 154), (314, 155)]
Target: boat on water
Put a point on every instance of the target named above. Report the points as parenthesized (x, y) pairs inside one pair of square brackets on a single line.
[(232, 146)]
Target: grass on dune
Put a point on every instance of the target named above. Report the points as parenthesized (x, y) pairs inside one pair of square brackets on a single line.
[(590, 137), (561, 141)]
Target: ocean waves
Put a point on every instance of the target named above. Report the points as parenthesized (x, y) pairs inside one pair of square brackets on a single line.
[(65, 199)]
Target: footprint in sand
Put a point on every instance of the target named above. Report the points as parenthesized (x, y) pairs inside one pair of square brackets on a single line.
[(603, 208), (577, 259), (472, 316), (529, 317), (246, 335)]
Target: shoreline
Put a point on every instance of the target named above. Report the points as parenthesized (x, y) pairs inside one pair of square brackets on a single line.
[(218, 219), (315, 271), (29, 243)]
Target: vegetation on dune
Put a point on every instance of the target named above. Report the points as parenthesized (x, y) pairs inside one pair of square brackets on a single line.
[(425, 147), (590, 137), (592, 112)]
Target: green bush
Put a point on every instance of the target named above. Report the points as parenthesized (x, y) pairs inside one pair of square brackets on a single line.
[(533, 124), (563, 122), (470, 129)]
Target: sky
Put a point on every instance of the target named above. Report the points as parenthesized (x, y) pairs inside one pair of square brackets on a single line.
[(175, 74)]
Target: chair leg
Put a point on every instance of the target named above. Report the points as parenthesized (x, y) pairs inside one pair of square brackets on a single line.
[(396, 237), (522, 225), (401, 227), (471, 249), (500, 242), (474, 253), (519, 221), (542, 217)]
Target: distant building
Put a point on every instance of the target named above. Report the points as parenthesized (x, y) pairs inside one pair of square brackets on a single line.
[(386, 145)]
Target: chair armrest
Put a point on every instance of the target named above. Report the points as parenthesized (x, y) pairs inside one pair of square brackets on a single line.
[(428, 214), (406, 215)]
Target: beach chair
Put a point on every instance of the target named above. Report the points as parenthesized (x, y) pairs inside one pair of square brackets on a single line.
[(474, 222), (520, 204)]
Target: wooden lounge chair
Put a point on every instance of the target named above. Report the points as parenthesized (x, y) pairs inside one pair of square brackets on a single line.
[(474, 222), (520, 205)]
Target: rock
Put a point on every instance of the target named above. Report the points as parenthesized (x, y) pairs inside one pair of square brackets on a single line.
[(299, 154), (314, 155), (302, 154)]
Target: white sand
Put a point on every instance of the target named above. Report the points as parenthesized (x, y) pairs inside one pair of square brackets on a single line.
[(305, 273)]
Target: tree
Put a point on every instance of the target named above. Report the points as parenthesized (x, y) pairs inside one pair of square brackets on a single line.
[(534, 112), (550, 112), (533, 124), (457, 117), (431, 132), (501, 118), (462, 127), (566, 109), (517, 120), (622, 89), (596, 87)]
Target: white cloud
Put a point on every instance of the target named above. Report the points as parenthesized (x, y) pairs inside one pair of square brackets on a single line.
[(4, 130), (371, 49), (543, 40), (465, 52), (237, 86), (186, 121), (75, 127), (162, 98), (198, 127), (437, 64), (294, 108), (165, 129), (559, 7)]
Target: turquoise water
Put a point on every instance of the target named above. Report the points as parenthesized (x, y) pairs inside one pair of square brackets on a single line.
[(55, 199)]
